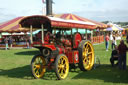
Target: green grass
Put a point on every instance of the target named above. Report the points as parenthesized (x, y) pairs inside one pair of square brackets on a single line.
[(15, 70)]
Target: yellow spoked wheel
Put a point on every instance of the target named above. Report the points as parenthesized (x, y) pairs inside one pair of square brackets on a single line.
[(38, 66), (61, 66), (86, 55)]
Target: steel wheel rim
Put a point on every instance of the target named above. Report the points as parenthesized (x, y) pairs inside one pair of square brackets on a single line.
[(88, 56), (39, 66), (63, 67)]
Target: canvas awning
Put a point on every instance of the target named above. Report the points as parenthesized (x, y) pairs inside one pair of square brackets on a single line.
[(37, 20)]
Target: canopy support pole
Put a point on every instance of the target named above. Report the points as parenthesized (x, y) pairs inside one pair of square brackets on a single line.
[(31, 34), (54, 31), (71, 33), (42, 33), (0, 35), (92, 36), (99, 36), (86, 34), (77, 30)]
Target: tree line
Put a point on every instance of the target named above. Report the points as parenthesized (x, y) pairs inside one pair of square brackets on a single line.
[(118, 23)]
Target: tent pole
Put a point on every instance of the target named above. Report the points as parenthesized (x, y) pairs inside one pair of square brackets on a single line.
[(42, 33), (77, 30), (54, 31), (99, 36), (0, 35), (92, 36), (31, 34), (86, 34), (71, 33)]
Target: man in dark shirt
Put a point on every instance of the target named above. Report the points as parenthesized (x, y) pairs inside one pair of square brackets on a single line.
[(122, 55), (114, 56), (127, 38)]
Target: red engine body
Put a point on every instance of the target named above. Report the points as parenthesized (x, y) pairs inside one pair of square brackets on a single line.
[(64, 46), (73, 56)]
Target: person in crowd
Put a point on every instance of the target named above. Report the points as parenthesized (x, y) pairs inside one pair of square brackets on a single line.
[(111, 36), (28, 42), (114, 42), (58, 35), (127, 38), (114, 56), (39, 35), (122, 55), (10, 41), (107, 42), (6, 43)]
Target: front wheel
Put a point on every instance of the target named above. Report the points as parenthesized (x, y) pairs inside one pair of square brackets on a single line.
[(38, 66), (61, 66)]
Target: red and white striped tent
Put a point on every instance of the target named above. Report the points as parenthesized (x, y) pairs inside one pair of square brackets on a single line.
[(69, 16), (12, 26)]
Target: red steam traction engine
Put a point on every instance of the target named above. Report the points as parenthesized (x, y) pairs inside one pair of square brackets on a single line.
[(59, 47)]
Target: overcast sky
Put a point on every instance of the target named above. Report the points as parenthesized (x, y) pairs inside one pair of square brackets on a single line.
[(99, 10)]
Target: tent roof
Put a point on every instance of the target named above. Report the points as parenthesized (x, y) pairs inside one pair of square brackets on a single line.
[(69, 16), (113, 27), (12, 26), (37, 20), (65, 20)]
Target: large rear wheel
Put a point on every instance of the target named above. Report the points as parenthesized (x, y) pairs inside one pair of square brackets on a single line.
[(61, 66), (38, 66), (86, 55)]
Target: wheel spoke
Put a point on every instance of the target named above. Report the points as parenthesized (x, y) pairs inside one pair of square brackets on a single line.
[(59, 70), (89, 60), (84, 53), (60, 61), (39, 59), (62, 73), (87, 49), (86, 46), (35, 61), (63, 62), (84, 58), (37, 71), (36, 66), (89, 53), (64, 69)]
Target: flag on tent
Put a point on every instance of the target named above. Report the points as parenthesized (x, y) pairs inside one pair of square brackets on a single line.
[(43, 1)]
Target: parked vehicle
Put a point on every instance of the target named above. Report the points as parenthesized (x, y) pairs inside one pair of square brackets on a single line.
[(59, 47)]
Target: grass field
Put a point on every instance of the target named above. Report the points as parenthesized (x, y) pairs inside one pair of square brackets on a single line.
[(15, 70)]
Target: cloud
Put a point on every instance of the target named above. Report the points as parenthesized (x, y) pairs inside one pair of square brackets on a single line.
[(109, 15), (5, 16), (11, 13), (99, 10)]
